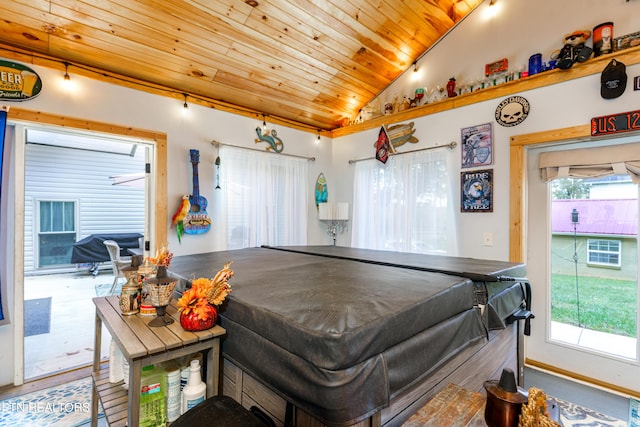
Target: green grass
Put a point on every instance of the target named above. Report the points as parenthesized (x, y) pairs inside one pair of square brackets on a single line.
[(606, 305)]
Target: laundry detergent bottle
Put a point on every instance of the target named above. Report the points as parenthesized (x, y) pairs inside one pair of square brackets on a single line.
[(195, 391)]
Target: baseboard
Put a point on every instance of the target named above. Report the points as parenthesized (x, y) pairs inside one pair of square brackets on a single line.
[(582, 379)]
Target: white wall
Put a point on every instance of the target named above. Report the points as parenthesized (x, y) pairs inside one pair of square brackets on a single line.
[(525, 28), (520, 29), (122, 106)]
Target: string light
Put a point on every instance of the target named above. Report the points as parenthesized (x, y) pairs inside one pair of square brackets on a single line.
[(318, 138), (264, 125), (67, 77), (154, 88), (67, 85), (415, 67), (185, 106)]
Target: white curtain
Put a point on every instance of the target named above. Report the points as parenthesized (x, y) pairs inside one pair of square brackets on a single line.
[(264, 198), (406, 204)]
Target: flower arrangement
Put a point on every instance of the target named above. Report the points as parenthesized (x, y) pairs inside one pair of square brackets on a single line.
[(198, 303), (163, 257)]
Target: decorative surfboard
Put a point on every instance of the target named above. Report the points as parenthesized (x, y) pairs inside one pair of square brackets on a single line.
[(321, 190), (400, 134), (197, 220)]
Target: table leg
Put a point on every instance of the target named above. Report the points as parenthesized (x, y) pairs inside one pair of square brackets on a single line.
[(96, 368), (135, 382), (213, 368)]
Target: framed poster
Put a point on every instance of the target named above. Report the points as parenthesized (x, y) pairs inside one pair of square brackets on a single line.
[(477, 146), (476, 190)]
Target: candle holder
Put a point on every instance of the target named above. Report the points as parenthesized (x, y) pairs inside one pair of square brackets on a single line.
[(159, 292), (130, 295)]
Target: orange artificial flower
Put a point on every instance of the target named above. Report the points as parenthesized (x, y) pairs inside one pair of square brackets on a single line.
[(205, 292)]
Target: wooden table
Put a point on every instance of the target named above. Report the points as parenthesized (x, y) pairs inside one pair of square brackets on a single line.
[(142, 345), (452, 406)]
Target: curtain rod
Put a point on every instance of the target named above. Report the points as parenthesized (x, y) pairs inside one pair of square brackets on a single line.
[(450, 146), (217, 144)]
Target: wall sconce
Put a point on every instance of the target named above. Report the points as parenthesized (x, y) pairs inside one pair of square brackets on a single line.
[(335, 215)]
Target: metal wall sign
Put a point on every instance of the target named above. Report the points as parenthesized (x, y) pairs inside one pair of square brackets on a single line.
[(615, 123), (18, 82)]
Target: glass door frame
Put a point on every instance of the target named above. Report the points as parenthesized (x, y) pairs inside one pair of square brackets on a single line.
[(21, 118), (567, 362)]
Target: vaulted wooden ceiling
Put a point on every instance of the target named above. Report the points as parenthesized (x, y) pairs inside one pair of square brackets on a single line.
[(309, 62)]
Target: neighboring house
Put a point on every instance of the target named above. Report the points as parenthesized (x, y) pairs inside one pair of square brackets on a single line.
[(69, 195), (605, 237)]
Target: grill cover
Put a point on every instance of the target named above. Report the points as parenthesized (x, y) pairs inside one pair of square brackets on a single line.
[(91, 249)]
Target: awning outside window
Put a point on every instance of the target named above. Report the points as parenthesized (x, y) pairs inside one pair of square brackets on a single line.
[(593, 162)]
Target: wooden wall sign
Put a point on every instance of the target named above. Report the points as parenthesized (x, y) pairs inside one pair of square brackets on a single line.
[(18, 82), (615, 123)]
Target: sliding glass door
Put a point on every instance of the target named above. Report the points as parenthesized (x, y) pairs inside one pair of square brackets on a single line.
[(582, 261)]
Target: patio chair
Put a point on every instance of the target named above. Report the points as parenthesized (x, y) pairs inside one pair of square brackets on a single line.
[(117, 262)]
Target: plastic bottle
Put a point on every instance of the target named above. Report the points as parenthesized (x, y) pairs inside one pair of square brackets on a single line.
[(152, 402), (195, 391), (116, 373), (125, 372), (173, 398), (186, 363)]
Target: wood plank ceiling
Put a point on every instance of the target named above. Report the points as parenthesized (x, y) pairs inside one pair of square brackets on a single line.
[(313, 63)]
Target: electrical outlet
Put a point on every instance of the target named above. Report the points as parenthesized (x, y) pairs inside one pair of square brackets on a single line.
[(487, 238)]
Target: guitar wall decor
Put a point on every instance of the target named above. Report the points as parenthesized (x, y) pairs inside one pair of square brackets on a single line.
[(197, 220)]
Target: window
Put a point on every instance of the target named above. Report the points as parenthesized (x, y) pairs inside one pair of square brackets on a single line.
[(57, 232), (604, 252), (265, 198), (405, 205)]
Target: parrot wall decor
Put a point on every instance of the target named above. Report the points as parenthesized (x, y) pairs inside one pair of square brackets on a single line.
[(179, 216)]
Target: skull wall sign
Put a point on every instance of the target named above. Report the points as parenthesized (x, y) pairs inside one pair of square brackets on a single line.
[(512, 111)]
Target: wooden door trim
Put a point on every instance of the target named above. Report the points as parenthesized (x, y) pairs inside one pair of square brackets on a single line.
[(159, 138), (518, 172)]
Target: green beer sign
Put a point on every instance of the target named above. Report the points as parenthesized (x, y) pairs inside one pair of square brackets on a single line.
[(18, 82)]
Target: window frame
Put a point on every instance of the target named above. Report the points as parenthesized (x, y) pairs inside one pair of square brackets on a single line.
[(607, 252), (39, 233)]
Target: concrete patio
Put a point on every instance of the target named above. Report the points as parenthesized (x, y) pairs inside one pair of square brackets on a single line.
[(70, 341)]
